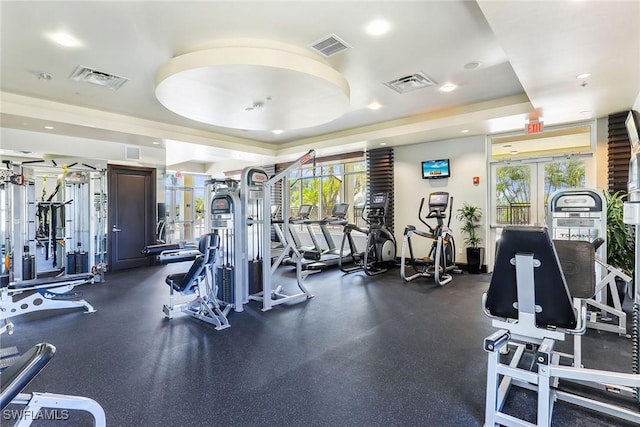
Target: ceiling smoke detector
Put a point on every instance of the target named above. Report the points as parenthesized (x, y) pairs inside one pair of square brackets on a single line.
[(329, 45), (410, 83), (100, 78)]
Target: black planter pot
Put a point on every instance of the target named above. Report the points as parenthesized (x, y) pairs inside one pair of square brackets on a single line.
[(475, 258)]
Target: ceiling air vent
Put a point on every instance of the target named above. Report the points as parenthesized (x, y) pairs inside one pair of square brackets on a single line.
[(411, 82), (88, 75), (132, 153), (329, 45)]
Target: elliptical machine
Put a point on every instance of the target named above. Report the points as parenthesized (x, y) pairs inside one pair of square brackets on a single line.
[(440, 262), (380, 249)]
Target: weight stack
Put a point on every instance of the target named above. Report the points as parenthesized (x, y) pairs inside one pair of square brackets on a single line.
[(225, 281), (255, 276), (28, 267), (70, 266), (82, 262)]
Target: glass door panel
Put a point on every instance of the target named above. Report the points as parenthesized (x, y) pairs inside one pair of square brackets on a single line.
[(520, 190), (513, 187)]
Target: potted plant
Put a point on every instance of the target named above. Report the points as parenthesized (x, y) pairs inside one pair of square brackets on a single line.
[(620, 238), (470, 216)]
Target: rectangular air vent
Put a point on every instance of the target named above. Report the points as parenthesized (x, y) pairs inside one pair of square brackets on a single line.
[(410, 83), (329, 45), (132, 153), (88, 75)]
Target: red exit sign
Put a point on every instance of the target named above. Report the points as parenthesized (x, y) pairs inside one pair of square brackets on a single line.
[(534, 126)]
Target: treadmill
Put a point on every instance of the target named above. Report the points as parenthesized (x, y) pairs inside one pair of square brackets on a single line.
[(331, 255), (304, 211)]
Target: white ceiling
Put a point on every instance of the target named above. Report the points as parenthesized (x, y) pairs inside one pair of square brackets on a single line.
[(530, 54)]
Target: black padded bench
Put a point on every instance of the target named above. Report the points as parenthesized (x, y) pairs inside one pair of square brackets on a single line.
[(553, 299), (185, 283), (52, 281), (16, 377)]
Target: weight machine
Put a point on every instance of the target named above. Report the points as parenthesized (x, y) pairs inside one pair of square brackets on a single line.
[(80, 206), (535, 302), (440, 262), (631, 216), (200, 280), (226, 214), (380, 249), (257, 193), (580, 214)]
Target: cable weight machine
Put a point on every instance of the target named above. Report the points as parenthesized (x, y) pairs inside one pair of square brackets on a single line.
[(257, 193)]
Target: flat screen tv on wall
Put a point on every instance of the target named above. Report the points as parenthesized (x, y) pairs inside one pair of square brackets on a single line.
[(436, 169), (633, 128)]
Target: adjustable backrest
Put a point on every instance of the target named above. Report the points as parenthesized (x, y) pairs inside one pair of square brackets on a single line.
[(189, 279), (552, 298), (208, 244)]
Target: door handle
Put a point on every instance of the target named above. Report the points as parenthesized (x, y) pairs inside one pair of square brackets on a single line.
[(115, 229)]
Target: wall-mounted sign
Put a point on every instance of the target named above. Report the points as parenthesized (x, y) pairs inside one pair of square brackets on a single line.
[(534, 126)]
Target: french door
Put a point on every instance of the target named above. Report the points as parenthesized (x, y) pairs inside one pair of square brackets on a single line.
[(521, 188)]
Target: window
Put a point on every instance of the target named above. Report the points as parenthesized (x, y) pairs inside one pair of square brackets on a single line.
[(333, 182), (185, 213), (522, 190)]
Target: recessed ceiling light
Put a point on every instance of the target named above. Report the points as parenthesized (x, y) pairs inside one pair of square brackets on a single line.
[(383, 143), (375, 105), (583, 75), (64, 39), (464, 131), (155, 143), (378, 27), (506, 146), (512, 152), (277, 131), (472, 65), (49, 127), (448, 87)]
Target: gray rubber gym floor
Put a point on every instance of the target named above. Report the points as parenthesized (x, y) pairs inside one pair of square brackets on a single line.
[(363, 352)]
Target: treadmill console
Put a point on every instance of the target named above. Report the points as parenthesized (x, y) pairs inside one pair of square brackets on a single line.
[(304, 211), (340, 210), (378, 206), (438, 201)]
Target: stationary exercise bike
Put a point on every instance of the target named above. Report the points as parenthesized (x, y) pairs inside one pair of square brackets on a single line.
[(440, 262), (380, 249)]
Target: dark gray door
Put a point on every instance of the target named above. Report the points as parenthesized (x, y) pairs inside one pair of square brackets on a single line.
[(132, 215)]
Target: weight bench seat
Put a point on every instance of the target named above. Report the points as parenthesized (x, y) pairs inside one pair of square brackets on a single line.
[(153, 250), (552, 298), (186, 282), (51, 281)]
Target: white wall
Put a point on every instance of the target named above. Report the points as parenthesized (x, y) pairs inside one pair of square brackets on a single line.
[(468, 159)]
